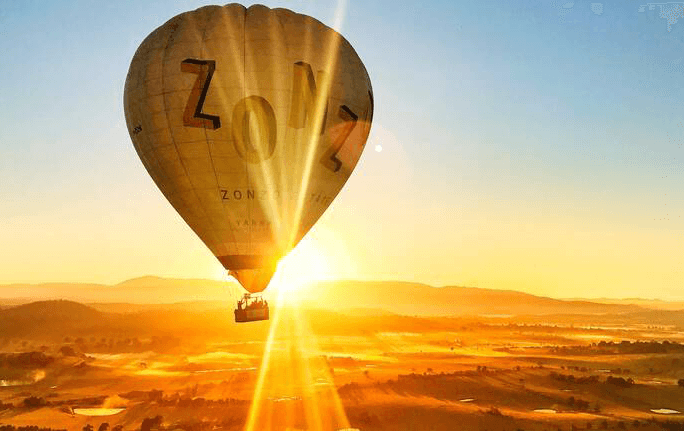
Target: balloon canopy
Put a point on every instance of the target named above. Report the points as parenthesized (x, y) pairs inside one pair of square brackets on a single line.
[(250, 121)]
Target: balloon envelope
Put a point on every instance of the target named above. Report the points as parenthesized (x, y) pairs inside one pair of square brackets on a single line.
[(250, 121)]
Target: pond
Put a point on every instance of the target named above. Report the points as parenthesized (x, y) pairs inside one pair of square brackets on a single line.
[(665, 411), (98, 411)]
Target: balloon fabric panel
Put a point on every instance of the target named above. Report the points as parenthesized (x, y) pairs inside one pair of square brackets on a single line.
[(250, 121)]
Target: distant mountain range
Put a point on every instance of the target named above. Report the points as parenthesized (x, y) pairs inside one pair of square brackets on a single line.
[(420, 299), (655, 304), (143, 290), (148, 293)]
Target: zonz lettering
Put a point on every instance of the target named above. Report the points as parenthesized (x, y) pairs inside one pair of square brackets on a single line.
[(253, 122)]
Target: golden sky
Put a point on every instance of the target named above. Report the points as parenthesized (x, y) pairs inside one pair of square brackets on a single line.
[(511, 148)]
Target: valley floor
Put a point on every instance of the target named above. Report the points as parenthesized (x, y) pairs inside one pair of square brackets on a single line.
[(431, 374)]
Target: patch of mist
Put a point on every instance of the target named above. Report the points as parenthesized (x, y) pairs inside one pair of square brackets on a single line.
[(225, 370), (34, 377), (38, 375), (398, 334), (360, 357), (119, 356), (285, 398), (214, 356), (152, 372), (477, 351), (7, 383), (592, 337), (546, 411), (114, 402)]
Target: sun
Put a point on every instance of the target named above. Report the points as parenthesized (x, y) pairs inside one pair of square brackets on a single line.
[(305, 264)]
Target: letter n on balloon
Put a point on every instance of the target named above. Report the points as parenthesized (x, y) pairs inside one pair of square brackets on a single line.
[(304, 97)]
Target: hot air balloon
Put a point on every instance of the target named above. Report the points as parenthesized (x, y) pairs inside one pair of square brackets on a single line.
[(250, 121)]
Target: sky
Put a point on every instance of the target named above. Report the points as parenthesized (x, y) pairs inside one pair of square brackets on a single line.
[(531, 145)]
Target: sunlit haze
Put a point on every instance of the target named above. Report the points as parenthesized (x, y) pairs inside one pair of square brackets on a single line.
[(531, 146)]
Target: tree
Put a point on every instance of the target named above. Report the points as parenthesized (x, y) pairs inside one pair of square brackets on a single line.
[(88, 427), (150, 423), (67, 351), (33, 402), (156, 395), (680, 383), (104, 426)]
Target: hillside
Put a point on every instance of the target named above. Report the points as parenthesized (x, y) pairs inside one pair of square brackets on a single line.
[(143, 290), (146, 293), (49, 318), (55, 320), (655, 304), (421, 299)]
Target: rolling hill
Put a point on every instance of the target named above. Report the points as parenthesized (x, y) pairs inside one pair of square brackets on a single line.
[(156, 293), (143, 290), (421, 299), (57, 319), (49, 318)]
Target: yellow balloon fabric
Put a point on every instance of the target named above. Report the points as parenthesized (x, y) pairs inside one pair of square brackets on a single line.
[(250, 121)]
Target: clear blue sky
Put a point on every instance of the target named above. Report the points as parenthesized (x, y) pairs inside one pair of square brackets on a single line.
[(532, 145)]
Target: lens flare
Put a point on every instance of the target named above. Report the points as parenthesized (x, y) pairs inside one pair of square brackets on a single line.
[(295, 389)]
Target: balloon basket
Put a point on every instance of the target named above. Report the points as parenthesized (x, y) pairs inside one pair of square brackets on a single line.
[(251, 308)]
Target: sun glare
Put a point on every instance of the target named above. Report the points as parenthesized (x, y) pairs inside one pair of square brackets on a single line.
[(296, 370), (305, 264), (294, 388)]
